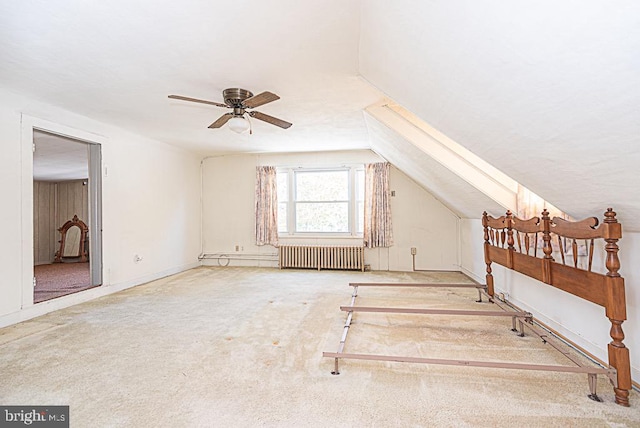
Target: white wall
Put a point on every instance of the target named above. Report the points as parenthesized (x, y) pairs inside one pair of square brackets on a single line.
[(419, 219), (151, 205), (228, 184), (423, 222), (10, 214), (582, 322), (471, 249)]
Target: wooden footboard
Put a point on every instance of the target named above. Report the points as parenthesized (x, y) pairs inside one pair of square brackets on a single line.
[(528, 246)]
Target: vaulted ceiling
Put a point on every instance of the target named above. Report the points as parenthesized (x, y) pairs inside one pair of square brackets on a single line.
[(548, 92)]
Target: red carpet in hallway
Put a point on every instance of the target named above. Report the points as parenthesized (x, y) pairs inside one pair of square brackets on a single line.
[(60, 279)]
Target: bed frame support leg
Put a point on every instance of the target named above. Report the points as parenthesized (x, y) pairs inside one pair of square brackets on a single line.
[(336, 370), (515, 329), (593, 381), (521, 324)]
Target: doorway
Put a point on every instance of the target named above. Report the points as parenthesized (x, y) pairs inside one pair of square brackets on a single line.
[(66, 215)]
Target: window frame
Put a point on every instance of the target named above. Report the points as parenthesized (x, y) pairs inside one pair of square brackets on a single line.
[(352, 201)]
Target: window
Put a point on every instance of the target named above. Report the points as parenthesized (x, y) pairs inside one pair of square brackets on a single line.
[(321, 201), (283, 199)]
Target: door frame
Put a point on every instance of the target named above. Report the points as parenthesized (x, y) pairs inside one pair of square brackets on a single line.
[(96, 142)]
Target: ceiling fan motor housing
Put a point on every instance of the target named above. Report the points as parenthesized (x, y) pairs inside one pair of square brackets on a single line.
[(239, 100), (235, 96)]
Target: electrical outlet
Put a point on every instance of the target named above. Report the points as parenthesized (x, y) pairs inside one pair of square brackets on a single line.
[(414, 251), (237, 248), (137, 258)]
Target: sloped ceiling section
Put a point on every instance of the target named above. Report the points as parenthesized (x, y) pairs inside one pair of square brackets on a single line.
[(457, 194), (548, 92)]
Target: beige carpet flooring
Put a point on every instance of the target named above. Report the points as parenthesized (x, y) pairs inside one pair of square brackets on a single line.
[(242, 347)]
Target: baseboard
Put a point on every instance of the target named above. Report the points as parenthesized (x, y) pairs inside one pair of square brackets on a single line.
[(473, 276), (238, 260), (48, 306)]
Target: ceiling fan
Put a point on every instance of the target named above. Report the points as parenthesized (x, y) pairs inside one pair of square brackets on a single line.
[(240, 100)]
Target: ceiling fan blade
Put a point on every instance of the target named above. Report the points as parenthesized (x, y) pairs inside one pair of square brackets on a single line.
[(195, 100), (221, 120), (260, 99), (270, 119)]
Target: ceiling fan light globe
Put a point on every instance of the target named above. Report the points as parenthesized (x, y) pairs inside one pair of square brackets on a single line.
[(238, 124)]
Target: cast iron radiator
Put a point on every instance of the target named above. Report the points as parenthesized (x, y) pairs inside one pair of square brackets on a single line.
[(321, 257)]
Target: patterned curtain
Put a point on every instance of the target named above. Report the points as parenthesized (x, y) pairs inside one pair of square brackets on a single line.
[(266, 206), (377, 206)]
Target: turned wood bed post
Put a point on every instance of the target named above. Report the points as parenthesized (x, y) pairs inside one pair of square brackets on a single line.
[(616, 309), (510, 248), (487, 259), (546, 247)]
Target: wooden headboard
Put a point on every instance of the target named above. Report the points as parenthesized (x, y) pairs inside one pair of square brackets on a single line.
[(514, 243)]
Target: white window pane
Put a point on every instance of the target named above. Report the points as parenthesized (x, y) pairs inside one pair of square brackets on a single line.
[(322, 217), (360, 185), (282, 217), (283, 186), (360, 217), (322, 186)]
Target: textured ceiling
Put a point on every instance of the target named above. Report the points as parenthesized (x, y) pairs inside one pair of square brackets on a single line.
[(117, 61), (57, 158), (548, 92)]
